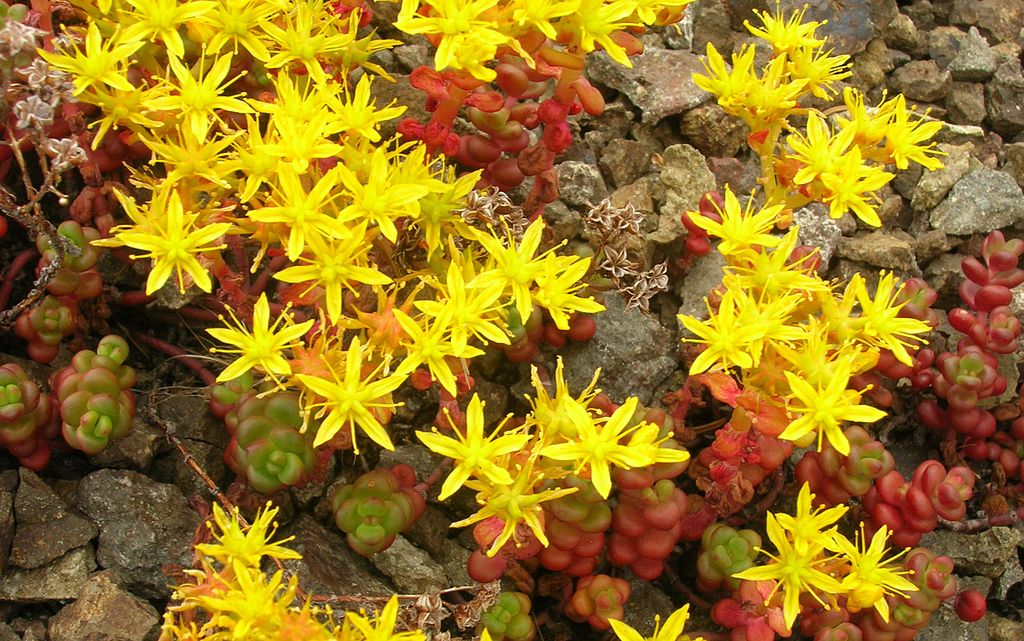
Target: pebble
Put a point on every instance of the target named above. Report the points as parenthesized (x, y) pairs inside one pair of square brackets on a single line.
[(979, 202)]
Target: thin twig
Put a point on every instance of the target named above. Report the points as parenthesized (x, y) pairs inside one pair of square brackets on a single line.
[(987, 523)]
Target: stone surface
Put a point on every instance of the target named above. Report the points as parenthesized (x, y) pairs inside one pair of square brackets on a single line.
[(1002, 629), (935, 185), (891, 250), (1014, 154), (410, 569), (849, 25), (870, 66), (712, 131), (61, 580), (46, 528), (1004, 99), (8, 483), (921, 80), (623, 161), (980, 202), (633, 351), (1002, 19), (686, 179), (580, 183), (7, 633), (987, 553), (328, 566), (103, 612), (965, 104), (660, 83), (975, 62), (135, 450), (701, 278), (901, 33), (944, 44), (818, 230), (144, 525)]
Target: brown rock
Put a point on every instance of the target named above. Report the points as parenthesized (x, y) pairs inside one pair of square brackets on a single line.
[(104, 612)]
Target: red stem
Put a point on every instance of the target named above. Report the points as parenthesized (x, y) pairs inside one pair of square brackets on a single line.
[(260, 284), (17, 265), (181, 355), (135, 298), (979, 525)]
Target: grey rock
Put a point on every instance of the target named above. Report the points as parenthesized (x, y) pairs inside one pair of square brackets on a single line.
[(921, 80), (410, 569), (328, 566), (1014, 154), (1002, 629), (704, 275), (430, 531), (642, 194), (1013, 575), (901, 33), (922, 13), (564, 223), (402, 94), (412, 56), (711, 24), (881, 249), (659, 84), (976, 62), (46, 527), (135, 450), (36, 631), (580, 184), (8, 482), (870, 66), (415, 455), (1004, 99), (634, 352), (615, 122), (987, 553), (686, 179), (960, 134), (1003, 19), (740, 175), (647, 601), (103, 612), (849, 25), (979, 202), (7, 633), (712, 131), (944, 274), (1017, 303), (935, 185), (965, 104), (188, 416), (144, 525), (931, 244), (945, 625), (61, 580), (944, 44), (623, 161), (453, 558), (818, 230)]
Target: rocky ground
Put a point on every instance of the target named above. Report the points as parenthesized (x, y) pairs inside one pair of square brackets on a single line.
[(88, 548)]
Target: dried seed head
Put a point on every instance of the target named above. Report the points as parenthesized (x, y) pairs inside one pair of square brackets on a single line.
[(33, 113), (18, 37)]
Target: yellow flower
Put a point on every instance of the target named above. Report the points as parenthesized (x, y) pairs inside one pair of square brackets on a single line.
[(871, 576), (742, 230), (245, 547), (879, 324), (823, 409), (199, 95), (474, 453), (474, 310), (170, 237), (904, 139), (730, 86), (796, 569), (469, 38), (850, 186), (515, 267), (560, 416), (726, 338), (379, 195), (152, 19), (356, 114), (596, 20), (598, 448), (786, 36), (263, 346), (808, 524), (303, 213), (671, 631), (348, 399), (238, 22), (310, 31), (432, 347), (557, 283), (383, 626), (100, 63)]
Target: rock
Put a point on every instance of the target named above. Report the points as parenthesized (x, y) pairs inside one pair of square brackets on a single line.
[(901, 33), (415, 455), (978, 203), (614, 123), (633, 351), (704, 275), (891, 250), (1014, 166), (580, 184), (144, 525), (61, 580), (642, 194), (712, 131), (8, 482), (8, 634), (453, 558), (410, 569), (686, 179), (328, 566), (1004, 99), (870, 66), (818, 230), (1001, 629), (563, 222), (975, 62), (623, 161), (935, 185), (741, 176), (965, 104), (46, 527), (921, 80), (430, 531), (944, 44), (647, 601), (1003, 19), (660, 83), (987, 553), (399, 94), (945, 625), (931, 244), (135, 450), (1017, 304), (711, 24), (103, 612), (849, 25)]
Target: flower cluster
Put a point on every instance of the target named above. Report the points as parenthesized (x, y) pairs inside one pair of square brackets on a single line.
[(840, 163), (563, 435)]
